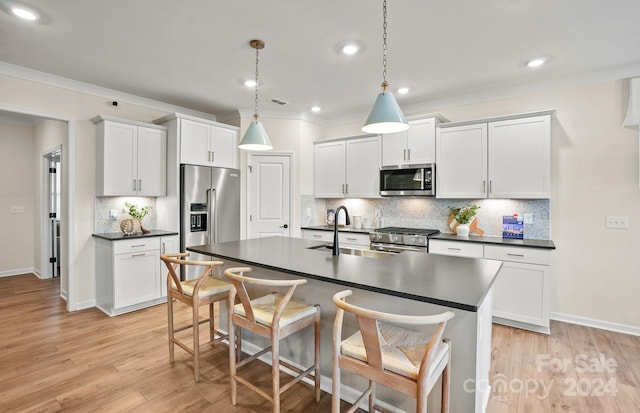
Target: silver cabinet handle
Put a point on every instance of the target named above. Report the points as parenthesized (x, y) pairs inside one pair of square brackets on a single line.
[(213, 156), (454, 249), (490, 186), (404, 154), (138, 255), (138, 245), (516, 255), (343, 188), (163, 248), (347, 191), (317, 236), (352, 239), (484, 187), (409, 154), (134, 185), (139, 184)]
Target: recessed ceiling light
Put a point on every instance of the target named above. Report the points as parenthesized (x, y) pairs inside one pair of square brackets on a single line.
[(535, 62), (403, 90), (249, 83), (24, 13), (315, 109), (350, 49)]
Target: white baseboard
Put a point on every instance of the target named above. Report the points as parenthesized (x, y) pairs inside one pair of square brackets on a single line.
[(19, 271), (595, 323), (82, 305)]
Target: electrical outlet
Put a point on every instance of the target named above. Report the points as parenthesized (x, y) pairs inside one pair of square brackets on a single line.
[(617, 222), (17, 210), (528, 218), (113, 214)]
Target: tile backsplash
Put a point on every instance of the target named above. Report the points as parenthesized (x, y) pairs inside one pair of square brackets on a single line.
[(432, 212), (103, 224)]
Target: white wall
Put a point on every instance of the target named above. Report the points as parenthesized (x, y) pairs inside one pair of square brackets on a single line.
[(594, 174), (16, 189)]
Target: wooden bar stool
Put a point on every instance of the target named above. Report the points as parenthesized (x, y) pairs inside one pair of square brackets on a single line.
[(382, 352), (203, 290), (275, 317)]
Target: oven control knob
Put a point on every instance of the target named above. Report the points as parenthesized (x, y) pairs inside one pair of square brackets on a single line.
[(379, 237), (372, 236), (394, 238), (420, 240)]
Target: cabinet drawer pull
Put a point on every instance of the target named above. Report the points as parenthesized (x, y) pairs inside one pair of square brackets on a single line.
[(139, 255), (515, 255), (317, 236), (454, 249), (352, 239), (138, 245)]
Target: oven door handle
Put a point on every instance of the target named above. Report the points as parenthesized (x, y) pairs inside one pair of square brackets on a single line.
[(394, 248)]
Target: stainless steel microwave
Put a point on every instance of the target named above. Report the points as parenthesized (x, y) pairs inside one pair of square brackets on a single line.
[(408, 180)]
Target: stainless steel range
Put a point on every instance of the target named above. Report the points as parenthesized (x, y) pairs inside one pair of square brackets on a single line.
[(396, 239)]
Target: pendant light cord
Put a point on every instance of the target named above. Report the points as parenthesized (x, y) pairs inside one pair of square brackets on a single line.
[(255, 114), (384, 47)]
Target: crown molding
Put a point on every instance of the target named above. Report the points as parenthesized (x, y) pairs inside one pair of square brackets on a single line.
[(25, 73)]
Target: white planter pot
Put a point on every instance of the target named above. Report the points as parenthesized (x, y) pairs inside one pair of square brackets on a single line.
[(462, 230)]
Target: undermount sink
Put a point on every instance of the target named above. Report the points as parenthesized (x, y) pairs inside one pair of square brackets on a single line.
[(353, 251)]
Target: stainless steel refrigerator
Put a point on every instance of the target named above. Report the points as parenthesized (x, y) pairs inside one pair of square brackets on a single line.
[(209, 208)]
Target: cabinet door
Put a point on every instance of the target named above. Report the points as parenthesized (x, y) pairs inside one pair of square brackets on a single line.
[(223, 147), (520, 293), (152, 161), (363, 168), (520, 158), (136, 278), (326, 236), (394, 148), (329, 169), (461, 158), (456, 248), (421, 141), (194, 143), (119, 176)]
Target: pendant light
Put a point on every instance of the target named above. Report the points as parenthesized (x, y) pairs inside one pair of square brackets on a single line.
[(385, 116), (255, 138)]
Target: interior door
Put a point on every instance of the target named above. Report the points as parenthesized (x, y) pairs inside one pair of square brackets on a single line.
[(269, 195)]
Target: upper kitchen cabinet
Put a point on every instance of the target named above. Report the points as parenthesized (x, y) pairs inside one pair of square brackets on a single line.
[(348, 168), (208, 145), (506, 157), (416, 145), (131, 158)]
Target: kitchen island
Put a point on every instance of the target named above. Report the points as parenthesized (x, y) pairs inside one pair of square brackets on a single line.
[(407, 283)]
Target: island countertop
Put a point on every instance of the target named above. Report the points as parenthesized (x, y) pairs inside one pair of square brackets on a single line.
[(460, 283)]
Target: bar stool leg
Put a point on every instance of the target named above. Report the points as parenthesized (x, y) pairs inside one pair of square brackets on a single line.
[(275, 371), (212, 318), (196, 344), (232, 360), (372, 396), (317, 353), (170, 310)]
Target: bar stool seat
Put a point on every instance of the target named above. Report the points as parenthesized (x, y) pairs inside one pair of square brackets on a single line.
[(264, 308)]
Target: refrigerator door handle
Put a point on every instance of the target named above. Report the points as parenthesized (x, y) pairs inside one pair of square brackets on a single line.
[(212, 228)]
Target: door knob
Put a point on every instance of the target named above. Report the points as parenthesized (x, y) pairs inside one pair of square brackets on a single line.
[(285, 226)]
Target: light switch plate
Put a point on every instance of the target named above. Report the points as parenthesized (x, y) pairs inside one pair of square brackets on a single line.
[(528, 218), (113, 213)]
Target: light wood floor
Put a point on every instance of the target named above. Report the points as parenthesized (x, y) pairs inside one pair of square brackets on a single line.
[(52, 360)]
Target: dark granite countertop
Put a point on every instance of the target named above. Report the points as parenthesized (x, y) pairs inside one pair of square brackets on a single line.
[(117, 236), (533, 243), (454, 282), (341, 228)]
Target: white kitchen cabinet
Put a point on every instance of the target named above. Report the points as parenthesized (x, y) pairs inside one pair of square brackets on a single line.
[(131, 158), (416, 145), (128, 274), (508, 157), (208, 145), (455, 248), (521, 289), (347, 168), (345, 239)]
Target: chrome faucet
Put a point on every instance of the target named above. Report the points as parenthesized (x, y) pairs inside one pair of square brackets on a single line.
[(336, 247)]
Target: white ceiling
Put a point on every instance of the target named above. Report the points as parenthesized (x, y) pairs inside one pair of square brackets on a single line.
[(195, 53)]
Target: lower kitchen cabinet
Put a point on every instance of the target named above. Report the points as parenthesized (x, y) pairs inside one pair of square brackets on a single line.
[(345, 239), (128, 274), (521, 290)]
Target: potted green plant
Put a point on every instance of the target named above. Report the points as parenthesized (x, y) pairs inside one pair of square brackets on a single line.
[(463, 216), (133, 225)]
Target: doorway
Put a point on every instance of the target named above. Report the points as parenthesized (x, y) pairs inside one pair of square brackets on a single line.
[(269, 195), (52, 191)]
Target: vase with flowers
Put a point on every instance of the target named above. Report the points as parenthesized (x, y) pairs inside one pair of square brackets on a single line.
[(463, 216), (133, 225)]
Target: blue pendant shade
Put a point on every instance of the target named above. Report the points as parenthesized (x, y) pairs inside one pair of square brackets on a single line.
[(255, 138), (385, 116)]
